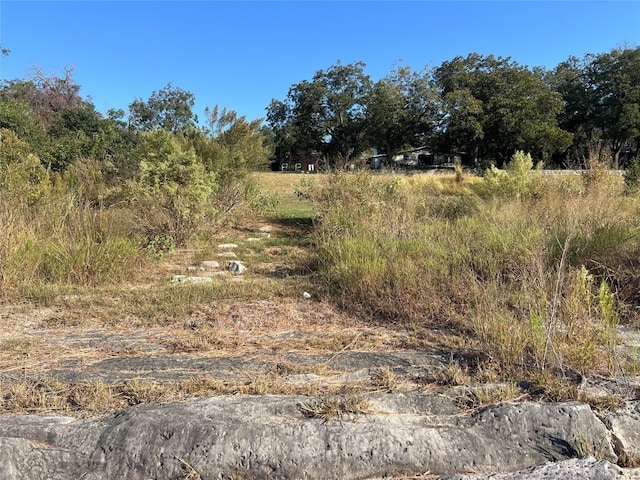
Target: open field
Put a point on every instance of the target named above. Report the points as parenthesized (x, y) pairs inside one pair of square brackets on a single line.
[(282, 327)]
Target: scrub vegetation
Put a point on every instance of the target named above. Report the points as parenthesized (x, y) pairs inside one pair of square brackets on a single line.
[(535, 271), (527, 273)]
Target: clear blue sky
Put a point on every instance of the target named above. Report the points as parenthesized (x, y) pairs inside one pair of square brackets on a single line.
[(242, 54)]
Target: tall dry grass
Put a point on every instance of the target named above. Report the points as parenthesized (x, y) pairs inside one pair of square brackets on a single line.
[(535, 269), (59, 242)]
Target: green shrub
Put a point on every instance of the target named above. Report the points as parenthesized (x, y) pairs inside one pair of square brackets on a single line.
[(491, 266), (174, 193), (24, 180), (514, 181), (632, 176)]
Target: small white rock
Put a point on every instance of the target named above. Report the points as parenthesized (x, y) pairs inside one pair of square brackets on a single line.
[(210, 264), (197, 280), (226, 246), (306, 295)]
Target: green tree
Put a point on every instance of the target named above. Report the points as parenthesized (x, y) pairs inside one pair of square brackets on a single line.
[(601, 94), (16, 116), (498, 107), (324, 116), (169, 109), (60, 126), (241, 142), (401, 110)]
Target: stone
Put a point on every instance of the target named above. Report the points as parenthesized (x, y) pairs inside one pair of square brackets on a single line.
[(210, 265), (270, 437), (236, 267), (191, 279), (227, 254), (624, 424), (573, 469), (227, 246)]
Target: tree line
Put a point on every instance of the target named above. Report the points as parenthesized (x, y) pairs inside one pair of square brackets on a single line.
[(488, 107), (156, 162), (46, 116)]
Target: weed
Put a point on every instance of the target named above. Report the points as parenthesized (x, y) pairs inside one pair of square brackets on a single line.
[(385, 379), (190, 473), (632, 176), (585, 448), (505, 265), (160, 244), (452, 375), (331, 408), (490, 394)]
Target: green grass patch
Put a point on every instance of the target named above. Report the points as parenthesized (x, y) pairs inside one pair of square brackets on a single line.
[(487, 259)]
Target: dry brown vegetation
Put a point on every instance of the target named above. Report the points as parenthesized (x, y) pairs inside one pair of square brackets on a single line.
[(386, 261)]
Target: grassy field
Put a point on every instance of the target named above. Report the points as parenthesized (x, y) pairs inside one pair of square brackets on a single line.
[(531, 274), (287, 189)]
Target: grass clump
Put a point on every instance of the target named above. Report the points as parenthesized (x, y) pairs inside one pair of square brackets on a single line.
[(332, 408), (535, 273)]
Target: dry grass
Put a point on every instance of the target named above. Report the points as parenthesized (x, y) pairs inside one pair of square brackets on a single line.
[(58, 323), (332, 408), (45, 396)]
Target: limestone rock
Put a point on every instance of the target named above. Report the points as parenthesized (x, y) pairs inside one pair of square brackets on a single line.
[(191, 279), (210, 264), (625, 428), (226, 254), (574, 469), (269, 437)]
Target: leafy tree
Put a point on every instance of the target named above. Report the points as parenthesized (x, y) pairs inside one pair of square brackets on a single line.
[(169, 109), (601, 96), (16, 116), (494, 106), (46, 94), (241, 142), (401, 110), (616, 78), (48, 112), (325, 116)]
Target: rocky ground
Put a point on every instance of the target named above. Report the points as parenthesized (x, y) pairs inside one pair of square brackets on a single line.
[(298, 390)]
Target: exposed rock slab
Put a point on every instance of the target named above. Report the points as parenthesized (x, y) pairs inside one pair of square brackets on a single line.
[(270, 437), (587, 468), (168, 367), (625, 427)]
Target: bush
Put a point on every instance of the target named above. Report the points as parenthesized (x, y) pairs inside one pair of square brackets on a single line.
[(632, 176), (493, 267), (174, 194), (513, 181)]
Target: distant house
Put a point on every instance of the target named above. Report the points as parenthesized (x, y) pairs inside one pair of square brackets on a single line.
[(420, 157), (302, 165)]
